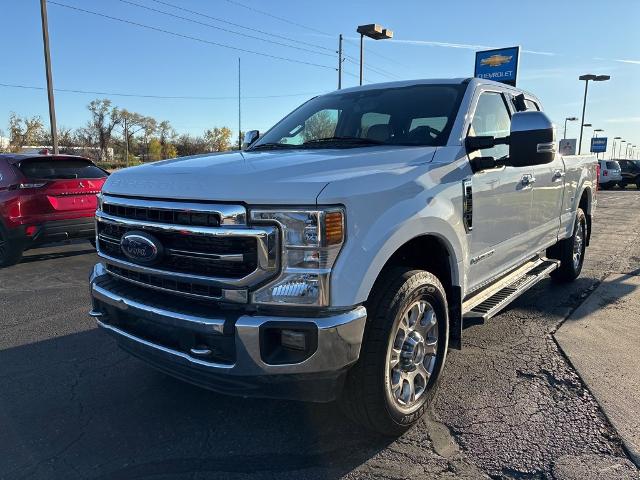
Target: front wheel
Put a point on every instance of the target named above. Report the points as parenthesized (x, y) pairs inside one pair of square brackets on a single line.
[(570, 251), (403, 352)]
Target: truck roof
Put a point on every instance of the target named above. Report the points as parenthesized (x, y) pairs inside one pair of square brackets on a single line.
[(425, 81)]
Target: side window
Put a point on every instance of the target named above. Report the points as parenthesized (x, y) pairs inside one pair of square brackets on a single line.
[(491, 118)]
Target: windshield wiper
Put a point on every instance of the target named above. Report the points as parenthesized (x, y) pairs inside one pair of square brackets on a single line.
[(343, 140), (273, 146)]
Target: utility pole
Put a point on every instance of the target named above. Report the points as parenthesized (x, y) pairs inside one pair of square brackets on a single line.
[(126, 142), (239, 110), (340, 62), (47, 63)]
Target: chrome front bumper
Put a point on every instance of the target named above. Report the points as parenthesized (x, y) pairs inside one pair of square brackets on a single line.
[(338, 344)]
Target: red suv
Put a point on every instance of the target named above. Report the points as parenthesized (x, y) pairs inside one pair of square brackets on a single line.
[(45, 198)]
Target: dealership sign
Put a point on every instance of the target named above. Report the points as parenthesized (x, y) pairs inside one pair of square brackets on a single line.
[(500, 64), (598, 145)]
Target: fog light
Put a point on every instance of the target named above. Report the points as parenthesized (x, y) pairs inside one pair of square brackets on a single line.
[(293, 339), (30, 230)]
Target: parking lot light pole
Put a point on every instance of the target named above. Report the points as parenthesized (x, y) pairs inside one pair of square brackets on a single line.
[(374, 31), (586, 78), (568, 119), (47, 64), (620, 149), (613, 147)]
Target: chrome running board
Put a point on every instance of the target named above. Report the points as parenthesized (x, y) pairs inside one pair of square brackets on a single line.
[(492, 299)]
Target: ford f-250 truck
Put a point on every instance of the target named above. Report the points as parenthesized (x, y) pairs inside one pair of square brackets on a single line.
[(338, 255)]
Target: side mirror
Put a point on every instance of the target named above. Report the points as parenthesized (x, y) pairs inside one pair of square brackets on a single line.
[(532, 140), (250, 137)]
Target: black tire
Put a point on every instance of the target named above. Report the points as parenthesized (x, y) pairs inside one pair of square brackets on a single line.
[(569, 268), (10, 253), (638, 183), (367, 398)]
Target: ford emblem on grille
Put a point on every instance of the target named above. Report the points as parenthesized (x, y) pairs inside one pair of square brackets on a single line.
[(141, 247)]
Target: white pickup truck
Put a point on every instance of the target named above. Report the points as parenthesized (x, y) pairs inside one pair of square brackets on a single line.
[(339, 255)]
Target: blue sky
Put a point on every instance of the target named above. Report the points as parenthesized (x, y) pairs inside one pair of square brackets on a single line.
[(560, 41)]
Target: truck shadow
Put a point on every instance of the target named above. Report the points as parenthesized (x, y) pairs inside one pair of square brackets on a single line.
[(77, 407)]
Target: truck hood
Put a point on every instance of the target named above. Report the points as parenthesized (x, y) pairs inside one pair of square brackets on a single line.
[(268, 177)]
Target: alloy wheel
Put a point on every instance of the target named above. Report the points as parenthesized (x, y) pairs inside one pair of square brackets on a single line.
[(412, 355)]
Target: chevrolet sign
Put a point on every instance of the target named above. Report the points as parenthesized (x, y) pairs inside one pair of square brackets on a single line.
[(500, 65)]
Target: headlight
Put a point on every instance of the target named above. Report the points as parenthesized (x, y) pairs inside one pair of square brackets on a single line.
[(311, 241)]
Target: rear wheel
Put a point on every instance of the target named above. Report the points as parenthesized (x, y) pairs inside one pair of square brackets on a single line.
[(402, 355), (10, 253), (571, 251)]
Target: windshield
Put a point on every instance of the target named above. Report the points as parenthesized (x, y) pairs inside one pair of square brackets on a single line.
[(414, 115)]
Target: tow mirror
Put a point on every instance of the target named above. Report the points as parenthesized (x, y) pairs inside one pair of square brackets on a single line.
[(532, 140), (250, 137)]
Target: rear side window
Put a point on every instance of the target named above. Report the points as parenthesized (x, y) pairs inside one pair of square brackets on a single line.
[(613, 166), (60, 168)]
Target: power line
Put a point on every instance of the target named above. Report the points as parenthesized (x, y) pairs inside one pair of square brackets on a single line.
[(286, 20), (217, 19), (377, 54), (189, 37), (169, 97), (377, 70), (224, 29)]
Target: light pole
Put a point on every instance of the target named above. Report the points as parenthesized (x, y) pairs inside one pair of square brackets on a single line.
[(374, 31), (47, 66), (613, 147), (620, 149), (568, 119), (586, 78)]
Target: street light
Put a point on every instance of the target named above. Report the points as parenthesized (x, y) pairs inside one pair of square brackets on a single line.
[(586, 78), (620, 149), (613, 147), (374, 31), (596, 131), (568, 119)]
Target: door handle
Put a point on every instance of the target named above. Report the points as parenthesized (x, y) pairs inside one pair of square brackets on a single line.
[(528, 179), (558, 174)]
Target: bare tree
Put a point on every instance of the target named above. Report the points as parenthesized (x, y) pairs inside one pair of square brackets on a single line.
[(24, 131), (319, 125), (104, 118)]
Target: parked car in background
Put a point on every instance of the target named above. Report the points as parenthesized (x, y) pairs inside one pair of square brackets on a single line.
[(610, 174), (45, 198), (630, 173)]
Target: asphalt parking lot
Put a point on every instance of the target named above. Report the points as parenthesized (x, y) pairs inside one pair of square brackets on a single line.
[(73, 406)]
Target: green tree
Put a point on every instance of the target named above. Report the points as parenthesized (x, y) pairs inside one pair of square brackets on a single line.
[(218, 139), (155, 150)]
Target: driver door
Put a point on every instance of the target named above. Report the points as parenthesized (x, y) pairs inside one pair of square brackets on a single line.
[(502, 197)]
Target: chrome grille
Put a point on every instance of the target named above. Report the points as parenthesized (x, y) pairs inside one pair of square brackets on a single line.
[(220, 262)]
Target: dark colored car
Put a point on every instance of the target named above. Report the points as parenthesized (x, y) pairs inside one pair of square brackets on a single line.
[(45, 198), (630, 173)]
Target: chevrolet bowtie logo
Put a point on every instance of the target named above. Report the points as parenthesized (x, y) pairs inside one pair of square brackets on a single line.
[(496, 60)]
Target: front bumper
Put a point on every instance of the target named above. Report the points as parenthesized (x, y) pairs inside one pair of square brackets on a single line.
[(248, 371)]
